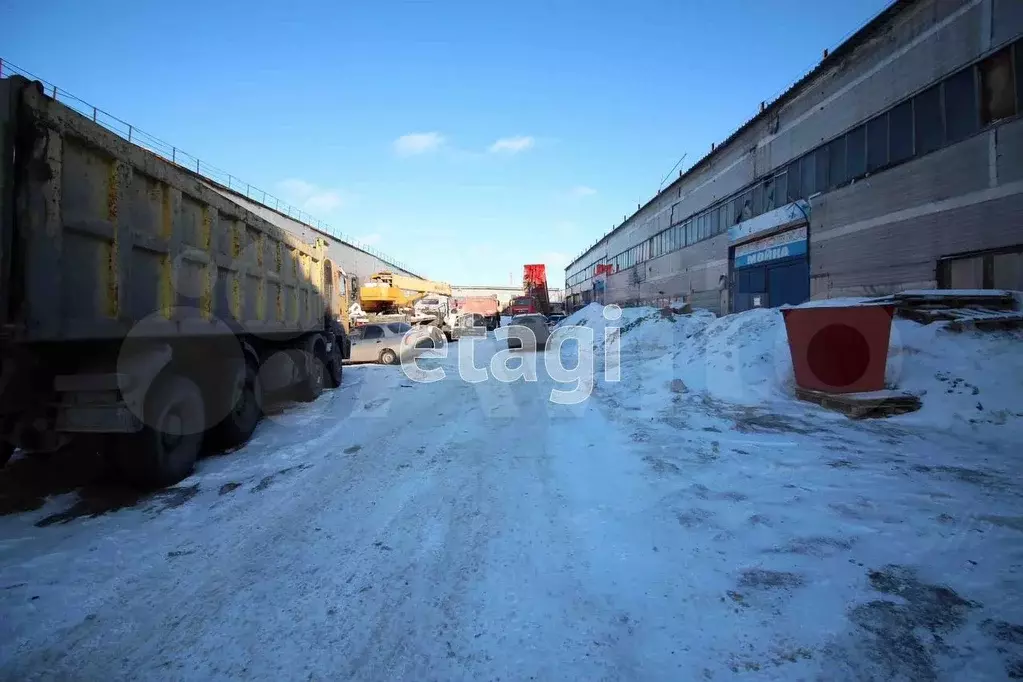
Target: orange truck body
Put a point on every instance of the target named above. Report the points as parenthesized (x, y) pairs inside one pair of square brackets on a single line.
[(487, 306)]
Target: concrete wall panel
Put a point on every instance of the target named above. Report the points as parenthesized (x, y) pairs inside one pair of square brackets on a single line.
[(1009, 151), (1007, 20), (946, 173), (905, 252)]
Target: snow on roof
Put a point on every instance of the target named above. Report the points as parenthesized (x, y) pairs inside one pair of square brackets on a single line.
[(839, 303)]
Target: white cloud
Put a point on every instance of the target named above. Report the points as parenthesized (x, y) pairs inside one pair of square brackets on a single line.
[(580, 191), (418, 143), (310, 197), (512, 145)]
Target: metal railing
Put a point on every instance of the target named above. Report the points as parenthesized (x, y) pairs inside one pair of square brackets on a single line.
[(178, 156)]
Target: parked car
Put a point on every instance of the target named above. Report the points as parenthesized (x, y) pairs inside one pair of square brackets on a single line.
[(389, 342), (528, 332), (554, 318)]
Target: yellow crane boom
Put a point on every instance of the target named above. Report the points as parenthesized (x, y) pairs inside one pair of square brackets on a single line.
[(387, 292)]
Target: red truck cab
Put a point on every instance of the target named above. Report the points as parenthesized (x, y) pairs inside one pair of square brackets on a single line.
[(524, 305)]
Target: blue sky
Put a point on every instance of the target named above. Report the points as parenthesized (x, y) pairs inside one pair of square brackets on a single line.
[(463, 137)]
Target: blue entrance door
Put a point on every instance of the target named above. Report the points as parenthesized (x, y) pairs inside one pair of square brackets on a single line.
[(750, 288), (789, 282)]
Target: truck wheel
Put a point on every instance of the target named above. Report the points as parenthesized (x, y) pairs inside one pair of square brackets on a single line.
[(165, 450), (246, 409), (311, 386), (388, 357), (334, 370)]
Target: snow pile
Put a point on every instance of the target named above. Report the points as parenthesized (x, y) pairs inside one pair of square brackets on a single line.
[(738, 358), (970, 378)]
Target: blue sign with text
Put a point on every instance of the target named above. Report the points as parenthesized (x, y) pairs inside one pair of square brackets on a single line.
[(771, 253)]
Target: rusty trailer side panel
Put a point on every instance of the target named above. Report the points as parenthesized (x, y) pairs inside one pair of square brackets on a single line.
[(109, 234)]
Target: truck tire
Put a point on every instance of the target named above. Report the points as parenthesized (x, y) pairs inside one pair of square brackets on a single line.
[(388, 357), (165, 450), (335, 369), (245, 411), (311, 386)]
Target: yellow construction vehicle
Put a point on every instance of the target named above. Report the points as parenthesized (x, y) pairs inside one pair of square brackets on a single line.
[(388, 293)]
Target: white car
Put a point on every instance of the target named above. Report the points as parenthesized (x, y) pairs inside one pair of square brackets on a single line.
[(389, 342), (528, 332)]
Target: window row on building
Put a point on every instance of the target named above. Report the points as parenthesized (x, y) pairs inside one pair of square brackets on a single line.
[(945, 113)]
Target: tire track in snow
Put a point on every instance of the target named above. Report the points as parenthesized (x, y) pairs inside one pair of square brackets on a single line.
[(198, 602)]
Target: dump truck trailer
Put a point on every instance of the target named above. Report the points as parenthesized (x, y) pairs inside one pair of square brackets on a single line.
[(138, 306), (534, 285)]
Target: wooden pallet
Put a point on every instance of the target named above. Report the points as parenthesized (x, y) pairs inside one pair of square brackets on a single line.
[(861, 405), (994, 300), (928, 314), (961, 309), (988, 322)]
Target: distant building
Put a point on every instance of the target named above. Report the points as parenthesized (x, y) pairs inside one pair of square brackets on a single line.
[(504, 294), (896, 163)]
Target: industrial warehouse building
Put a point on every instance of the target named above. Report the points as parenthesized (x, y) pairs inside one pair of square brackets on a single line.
[(504, 294), (896, 163)]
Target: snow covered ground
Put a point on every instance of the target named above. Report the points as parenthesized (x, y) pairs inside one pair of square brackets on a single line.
[(688, 522)]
